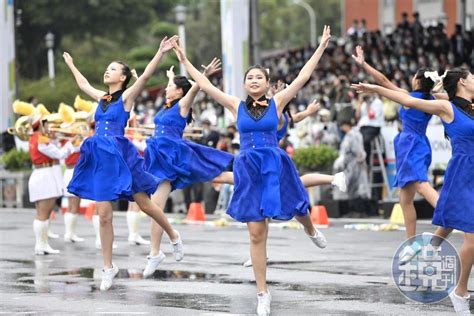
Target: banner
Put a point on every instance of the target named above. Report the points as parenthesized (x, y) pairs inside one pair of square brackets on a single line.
[(7, 63), (440, 146), (235, 45)]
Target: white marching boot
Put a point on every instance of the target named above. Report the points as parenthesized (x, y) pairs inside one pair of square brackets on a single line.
[(133, 223), (50, 233), (41, 235), (96, 224), (70, 221)]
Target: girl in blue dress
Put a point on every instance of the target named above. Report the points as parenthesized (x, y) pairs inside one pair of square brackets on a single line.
[(177, 162), (455, 207), (412, 150), (110, 167), (267, 184), (309, 180)]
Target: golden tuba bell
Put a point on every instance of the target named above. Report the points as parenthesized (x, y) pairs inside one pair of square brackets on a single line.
[(67, 123), (22, 128), (23, 125)]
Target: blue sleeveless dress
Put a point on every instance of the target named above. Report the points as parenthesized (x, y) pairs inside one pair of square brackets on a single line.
[(282, 131), (170, 157), (267, 184), (455, 207), (110, 167), (412, 147)]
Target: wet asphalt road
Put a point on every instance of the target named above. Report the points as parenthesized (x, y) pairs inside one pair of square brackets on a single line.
[(350, 277)]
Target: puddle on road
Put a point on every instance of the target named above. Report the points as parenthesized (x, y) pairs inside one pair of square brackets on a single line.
[(135, 274), (207, 302), (83, 282)]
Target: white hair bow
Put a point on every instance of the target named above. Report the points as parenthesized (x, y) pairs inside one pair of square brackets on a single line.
[(433, 75)]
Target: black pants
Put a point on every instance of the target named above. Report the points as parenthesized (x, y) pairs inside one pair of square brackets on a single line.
[(193, 193), (368, 134)]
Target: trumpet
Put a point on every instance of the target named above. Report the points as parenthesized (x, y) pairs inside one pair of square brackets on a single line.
[(146, 131), (81, 129)]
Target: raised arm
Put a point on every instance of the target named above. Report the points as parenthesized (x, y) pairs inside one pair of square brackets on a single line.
[(437, 90), (441, 108), (187, 101), (283, 97), (312, 108), (81, 81), (379, 77), (131, 93), (228, 101)]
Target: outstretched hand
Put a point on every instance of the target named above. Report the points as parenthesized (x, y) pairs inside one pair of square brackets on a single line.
[(213, 67), (179, 52), (325, 37), (314, 106), (67, 58), (363, 87), (359, 56), (167, 43), (277, 87), (134, 74), (438, 87), (170, 73)]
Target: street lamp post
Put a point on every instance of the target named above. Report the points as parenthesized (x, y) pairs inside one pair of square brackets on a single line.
[(49, 38), (180, 11), (312, 20)]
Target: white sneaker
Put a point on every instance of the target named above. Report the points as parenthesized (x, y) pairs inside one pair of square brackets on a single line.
[(318, 239), (152, 264), (408, 253), (460, 304), (178, 250), (340, 181), (107, 277), (136, 239), (264, 301)]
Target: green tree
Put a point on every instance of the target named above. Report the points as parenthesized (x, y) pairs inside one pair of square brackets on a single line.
[(286, 25), (82, 20), (203, 30)]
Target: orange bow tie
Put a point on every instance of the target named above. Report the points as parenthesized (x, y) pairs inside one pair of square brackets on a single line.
[(261, 103), (107, 97)]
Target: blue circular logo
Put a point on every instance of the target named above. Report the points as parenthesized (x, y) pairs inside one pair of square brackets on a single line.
[(426, 268)]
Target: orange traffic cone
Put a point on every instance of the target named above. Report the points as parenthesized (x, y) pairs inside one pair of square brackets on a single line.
[(64, 205), (52, 216), (83, 206), (196, 213), (319, 216), (90, 211)]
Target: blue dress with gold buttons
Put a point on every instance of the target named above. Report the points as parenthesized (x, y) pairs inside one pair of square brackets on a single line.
[(267, 184), (110, 167), (170, 157), (455, 207), (412, 147)]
